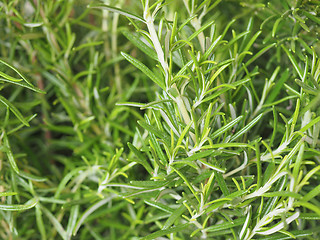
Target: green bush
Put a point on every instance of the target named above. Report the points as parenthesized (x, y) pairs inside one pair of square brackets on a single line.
[(160, 119)]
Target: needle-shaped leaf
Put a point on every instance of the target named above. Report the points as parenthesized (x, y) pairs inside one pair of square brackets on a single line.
[(116, 10), (226, 127), (55, 222), (40, 222), (10, 154), (20, 74), (23, 84), (257, 55), (216, 73), (140, 158), (14, 110), (144, 69), (213, 45), (293, 61), (209, 165), (199, 155), (200, 30), (247, 127), (9, 78), (155, 131), (140, 44), (17, 207), (5, 194), (226, 225), (171, 230), (160, 206), (174, 216), (187, 183), (277, 87)]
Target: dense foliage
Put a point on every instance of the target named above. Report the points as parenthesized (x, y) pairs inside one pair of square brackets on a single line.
[(181, 119)]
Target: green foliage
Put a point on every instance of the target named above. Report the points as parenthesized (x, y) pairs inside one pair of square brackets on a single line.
[(159, 119)]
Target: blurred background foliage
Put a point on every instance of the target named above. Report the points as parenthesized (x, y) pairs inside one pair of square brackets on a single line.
[(62, 73)]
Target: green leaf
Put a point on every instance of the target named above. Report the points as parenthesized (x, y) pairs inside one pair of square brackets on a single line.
[(40, 223), (226, 127), (16, 207), (171, 230), (187, 183), (88, 44), (9, 78), (149, 184), (14, 110), (209, 165), (247, 127), (160, 206), (74, 212), (220, 92), (222, 184), (215, 75), (226, 225), (88, 212), (140, 158), (257, 55), (275, 26), (65, 180), (314, 104), (25, 85), (55, 222), (299, 234), (227, 145), (277, 88), (313, 193), (116, 10), (183, 134), (32, 177), (10, 154), (200, 30), (21, 75), (311, 16), (293, 61), (154, 130), (246, 225), (198, 155), (310, 124), (174, 216), (308, 205), (144, 69), (5, 194), (211, 48), (252, 40), (282, 194), (306, 88), (140, 44)]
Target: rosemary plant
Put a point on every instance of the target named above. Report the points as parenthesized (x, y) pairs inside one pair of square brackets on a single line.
[(160, 119)]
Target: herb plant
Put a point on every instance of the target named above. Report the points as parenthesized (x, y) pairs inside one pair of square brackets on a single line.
[(160, 119)]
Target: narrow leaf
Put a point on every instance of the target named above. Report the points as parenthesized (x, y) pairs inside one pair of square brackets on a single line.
[(140, 44), (144, 69), (160, 206), (116, 10), (16, 207), (140, 158), (247, 127), (226, 225), (293, 61), (14, 110), (174, 216), (160, 233), (226, 127), (9, 154)]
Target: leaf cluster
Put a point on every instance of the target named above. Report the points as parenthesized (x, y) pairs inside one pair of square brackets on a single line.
[(199, 119)]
